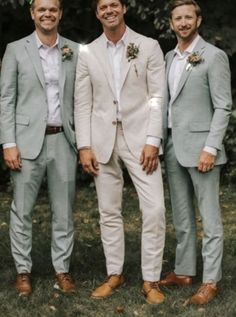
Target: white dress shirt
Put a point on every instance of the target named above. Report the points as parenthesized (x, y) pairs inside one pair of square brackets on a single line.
[(116, 52), (176, 69), (50, 63)]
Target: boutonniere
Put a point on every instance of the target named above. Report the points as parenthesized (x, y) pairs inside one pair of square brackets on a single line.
[(193, 60), (66, 52), (132, 53)]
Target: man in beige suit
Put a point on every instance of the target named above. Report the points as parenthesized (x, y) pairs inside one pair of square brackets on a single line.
[(118, 117)]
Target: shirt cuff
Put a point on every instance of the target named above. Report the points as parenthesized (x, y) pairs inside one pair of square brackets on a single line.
[(154, 141), (84, 148), (210, 150), (8, 145)]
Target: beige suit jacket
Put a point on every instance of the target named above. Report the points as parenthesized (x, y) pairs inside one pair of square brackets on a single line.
[(141, 96)]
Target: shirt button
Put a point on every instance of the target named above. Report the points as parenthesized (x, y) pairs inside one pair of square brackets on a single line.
[(114, 122)]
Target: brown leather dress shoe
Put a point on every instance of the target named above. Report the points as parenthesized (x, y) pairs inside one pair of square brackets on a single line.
[(205, 294), (152, 293), (65, 283), (105, 290), (23, 284), (173, 280)]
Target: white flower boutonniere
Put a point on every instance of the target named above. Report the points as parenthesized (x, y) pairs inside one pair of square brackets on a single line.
[(67, 53), (193, 60), (132, 53)]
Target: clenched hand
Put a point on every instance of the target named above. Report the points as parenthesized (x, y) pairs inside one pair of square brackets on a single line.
[(12, 158), (88, 161), (149, 158)]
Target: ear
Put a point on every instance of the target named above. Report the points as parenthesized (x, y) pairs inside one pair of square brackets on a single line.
[(60, 16), (199, 21), (171, 24), (124, 9), (32, 13)]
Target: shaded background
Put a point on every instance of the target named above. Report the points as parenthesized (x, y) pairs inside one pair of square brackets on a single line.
[(149, 17)]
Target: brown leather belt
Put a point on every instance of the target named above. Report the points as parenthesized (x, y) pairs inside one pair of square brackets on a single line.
[(53, 130)]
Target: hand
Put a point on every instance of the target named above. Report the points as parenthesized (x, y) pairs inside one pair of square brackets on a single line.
[(88, 161), (12, 158), (206, 162), (149, 158)]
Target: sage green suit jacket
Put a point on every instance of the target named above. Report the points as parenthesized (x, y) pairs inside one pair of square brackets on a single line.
[(201, 106), (23, 103)]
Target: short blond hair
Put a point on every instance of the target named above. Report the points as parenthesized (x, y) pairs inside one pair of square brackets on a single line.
[(177, 3)]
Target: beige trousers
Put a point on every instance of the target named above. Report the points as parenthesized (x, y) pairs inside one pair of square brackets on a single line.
[(109, 185)]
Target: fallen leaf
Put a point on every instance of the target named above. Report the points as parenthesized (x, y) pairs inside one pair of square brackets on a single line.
[(120, 310), (56, 295), (52, 308), (201, 310), (186, 302)]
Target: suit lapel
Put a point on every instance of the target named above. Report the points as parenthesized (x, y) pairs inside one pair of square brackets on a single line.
[(168, 64), (186, 72), (182, 81), (33, 52), (132, 37), (102, 56), (62, 70)]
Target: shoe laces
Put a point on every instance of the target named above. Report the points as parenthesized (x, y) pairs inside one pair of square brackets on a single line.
[(66, 277), (107, 279), (154, 285), (24, 276), (204, 289)]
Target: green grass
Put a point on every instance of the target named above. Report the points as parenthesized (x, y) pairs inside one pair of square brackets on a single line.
[(88, 265)]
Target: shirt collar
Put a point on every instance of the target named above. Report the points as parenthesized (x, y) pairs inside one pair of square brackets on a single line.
[(123, 40), (189, 49), (40, 44)]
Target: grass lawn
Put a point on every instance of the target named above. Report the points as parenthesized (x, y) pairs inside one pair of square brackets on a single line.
[(88, 265)]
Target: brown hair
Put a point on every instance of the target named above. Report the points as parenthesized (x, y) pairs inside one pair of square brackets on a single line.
[(95, 4), (177, 3)]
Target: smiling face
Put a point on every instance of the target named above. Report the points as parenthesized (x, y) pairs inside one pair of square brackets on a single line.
[(111, 14), (46, 15), (185, 22)]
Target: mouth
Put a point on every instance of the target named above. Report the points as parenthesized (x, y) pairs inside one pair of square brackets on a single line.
[(47, 20), (110, 18), (184, 30)]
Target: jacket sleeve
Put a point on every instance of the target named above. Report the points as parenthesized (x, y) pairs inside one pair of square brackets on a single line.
[(8, 95)]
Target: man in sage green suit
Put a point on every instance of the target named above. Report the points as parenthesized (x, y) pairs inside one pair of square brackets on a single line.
[(37, 88), (196, 114)]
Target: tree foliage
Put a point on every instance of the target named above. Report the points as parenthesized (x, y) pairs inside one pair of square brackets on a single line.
[(149, 17)]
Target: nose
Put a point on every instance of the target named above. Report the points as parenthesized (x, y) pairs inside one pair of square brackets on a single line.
[(183, 22), (47, 13), (108, 9)]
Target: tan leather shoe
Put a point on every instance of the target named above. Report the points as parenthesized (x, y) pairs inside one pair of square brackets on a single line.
[(205, 294), (65, 283), (152, 293), (23, 284), (106, 289), (173, 280)]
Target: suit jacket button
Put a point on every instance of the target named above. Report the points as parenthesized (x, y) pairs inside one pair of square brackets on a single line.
[(114, 122), (115, 102)]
